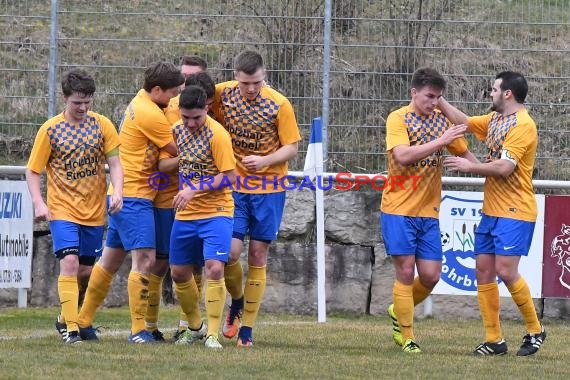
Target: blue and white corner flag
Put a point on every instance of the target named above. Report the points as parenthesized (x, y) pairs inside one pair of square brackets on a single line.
[(314, 157)]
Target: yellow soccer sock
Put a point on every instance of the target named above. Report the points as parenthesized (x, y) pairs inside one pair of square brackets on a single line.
[(489, 304), (187, 294), (404, 308), (68, 296), (521, 295), (233, 275), (97, 290), (154, 295), (420, 292), (137, 287), (253, 294), (215, 301)]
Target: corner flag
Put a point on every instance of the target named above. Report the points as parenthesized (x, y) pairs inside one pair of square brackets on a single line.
[(314, 150)]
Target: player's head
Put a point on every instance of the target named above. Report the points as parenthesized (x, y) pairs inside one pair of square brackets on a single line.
[(193, 108), (161, 81), (78, 88), (250, 73), (191, 64), (204, 80), (508, 87), (427, 87)]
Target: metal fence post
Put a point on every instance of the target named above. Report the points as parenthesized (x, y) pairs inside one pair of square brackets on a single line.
[(52, 68)]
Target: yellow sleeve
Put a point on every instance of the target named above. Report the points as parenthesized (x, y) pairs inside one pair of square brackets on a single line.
[(172, 112), (458, 146), (479, 125), (222, 152), (396, 131), (41, 151), (518, 141), (110, 135), (156, 128), (287, 127)]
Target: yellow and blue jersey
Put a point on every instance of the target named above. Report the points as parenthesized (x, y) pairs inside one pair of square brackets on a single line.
[(74, 157), (406, 127)]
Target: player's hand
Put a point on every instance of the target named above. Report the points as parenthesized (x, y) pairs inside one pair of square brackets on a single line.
[(254, 163), (115, 203), (182, 199), (459, 164), (41, 212), (452, 133)]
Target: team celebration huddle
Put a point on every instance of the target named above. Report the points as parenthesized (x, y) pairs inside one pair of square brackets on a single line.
[(185, 125)]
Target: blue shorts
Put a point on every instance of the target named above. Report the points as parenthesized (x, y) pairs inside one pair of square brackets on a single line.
[(258, 215), (73, 238), (503, 236), (407, 235), (133, 226), (163, 219), (194, 241)]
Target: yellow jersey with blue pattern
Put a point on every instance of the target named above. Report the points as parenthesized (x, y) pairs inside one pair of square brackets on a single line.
[(203, 154), (257, 127), (74, 158), (422, 199), (513, 137), (144, 130)]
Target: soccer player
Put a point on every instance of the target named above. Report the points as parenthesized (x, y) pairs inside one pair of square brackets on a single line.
[(265, 135), (204, 209), (73, 147), (505, 232), (415, 137), (143, 132), (164, 216)]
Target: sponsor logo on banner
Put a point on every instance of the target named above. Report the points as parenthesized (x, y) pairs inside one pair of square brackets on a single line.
[(560, 249), (458, 220)]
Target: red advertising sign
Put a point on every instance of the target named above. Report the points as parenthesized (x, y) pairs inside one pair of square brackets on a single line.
[(556, 253)]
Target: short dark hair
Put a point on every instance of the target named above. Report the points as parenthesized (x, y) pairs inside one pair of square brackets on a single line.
[(79, 81), (248, 61), (192, 97), (204, 80), (193, 60), (515, 82), (427, 76), (162, 74)]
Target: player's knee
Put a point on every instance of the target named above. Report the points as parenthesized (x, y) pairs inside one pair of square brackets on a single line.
[(214, 269), (430, 280)]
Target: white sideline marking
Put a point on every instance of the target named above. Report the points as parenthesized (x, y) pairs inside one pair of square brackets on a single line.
[(115, 332)]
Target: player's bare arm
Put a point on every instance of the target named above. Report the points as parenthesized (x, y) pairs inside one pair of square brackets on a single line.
[(117, 179), (406, 155), (41, 211), (168, 165), (451, 112), (283, 154), (498, 168)]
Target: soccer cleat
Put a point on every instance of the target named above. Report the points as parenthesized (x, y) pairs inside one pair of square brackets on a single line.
[(142, 336), (411, 347), (231, 325), (532, 342), (212, 342), (158, 336), (245, 342), (177, 334), (61, 328), (190, 336), (396, 333), (488, 349), (88, 333), (72, 337)]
